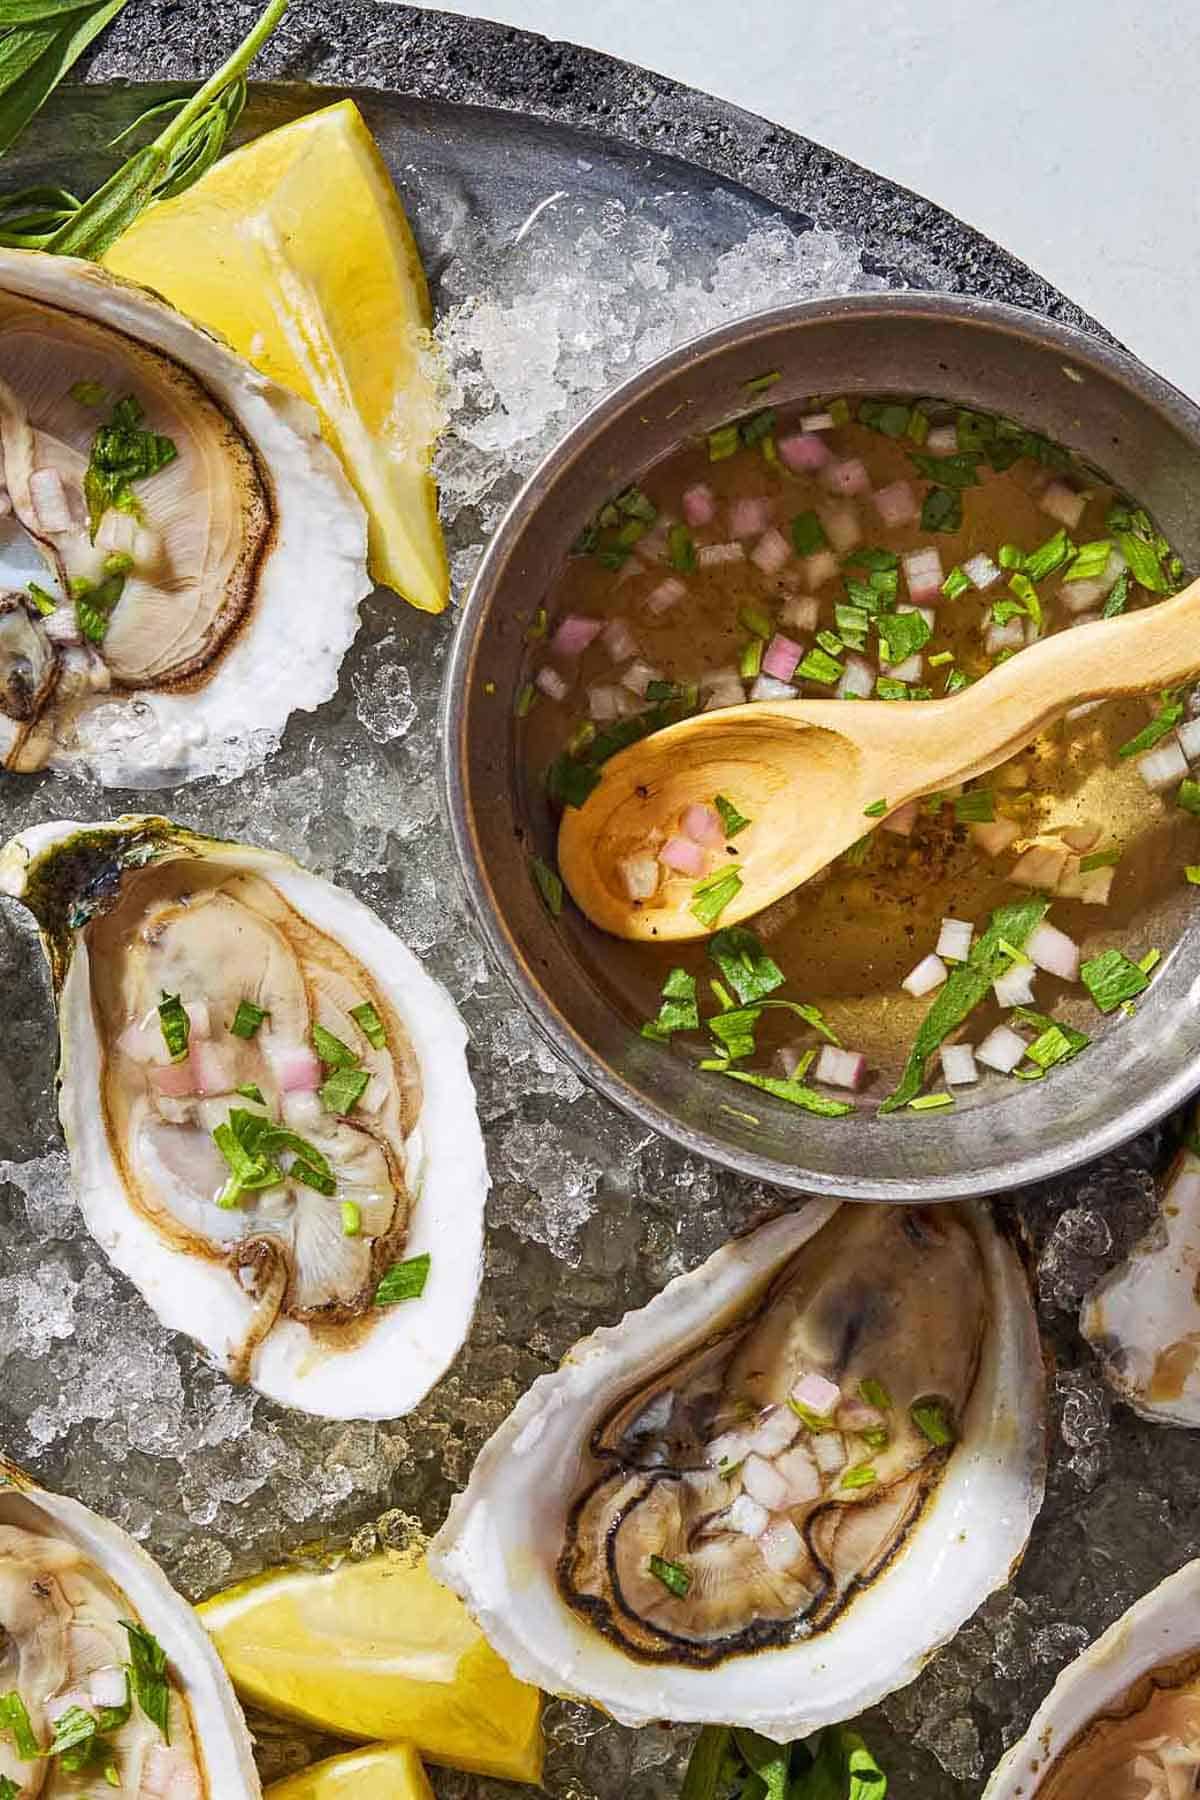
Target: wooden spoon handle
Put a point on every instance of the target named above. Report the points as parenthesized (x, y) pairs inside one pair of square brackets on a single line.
[(1157, 647)]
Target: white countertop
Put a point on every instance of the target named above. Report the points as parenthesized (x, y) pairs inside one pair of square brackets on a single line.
[(1065, 131)]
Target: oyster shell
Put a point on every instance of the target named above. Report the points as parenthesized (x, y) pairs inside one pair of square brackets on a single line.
[(658, 1529), (206, 600), (257, 1192), (1143, 1318), (69, 1582), (1122, 1722)]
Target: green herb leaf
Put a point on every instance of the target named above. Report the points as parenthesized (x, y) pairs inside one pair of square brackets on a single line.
[(769, 1764), (875, 1394), (888, 688), (1089, 560), (247, 1019), (95, 603), (933, 1418), (734, 1031), (343, 1091), (1048, 557), (758, 426), (876, 810), (370, 1024), (706, 1771), (331, 1050), (1145, 563), (859, 1475), (122, 453), (45, 603), (723, 443), (901, 634), (976, 807), (548, 883), (794, 1092), (1044, 1025), (1111, 979), (758, 384), (732, 820), (930, 1102), (524, 702), (403, 1281), (308, 1166), (1164, 721), (249, 1090), (250, 1166), (1053, 1046), (818, 665), (38, 46), (1118, 595), (15, 1718), (967, 985), (681, 549), (1099, 859), (711, 896), (9, 1789), (745, 964), (672, 1575), (1188, 796), (678, 1011), (175, 1025), (959, 471), (942, 510), (841, 1768), (957, 582), (887, 416), (808, 534), (148, 1669)]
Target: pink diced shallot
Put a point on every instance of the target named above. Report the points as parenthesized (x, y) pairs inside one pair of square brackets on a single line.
[(840, 1068), (551, 683), (667, 594), (108, 1686), (1039, 867), (847, 478), (1063, 503), (618, 640), (820, 567), (703, 825), (685, 857), (769, 687), (817, 1393), (781, 656), (199, 1018), (49, 498), (801, 612), (699, 504), (574, 634), (175, 1080), (958, 1065), (908, 670), (902, 820), (1009, 636), (802, 452), (897, 504), (1053, 951), (749, 515), (981, 572), (715, 556), (606, 703), (211, 1072), (995, 837), (1163, 766), (858, 678), (763, 1483), (1001, 1049), (841, 528), (297, 1069), (923, 574), (638, 676), (771, 552), (639, 875), (929, 973)]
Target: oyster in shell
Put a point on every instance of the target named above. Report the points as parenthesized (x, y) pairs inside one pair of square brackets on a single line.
[(1143, 1319), (768, 1495), (199, 555), (1122, 1722), (266, 1101), (80, 1601)]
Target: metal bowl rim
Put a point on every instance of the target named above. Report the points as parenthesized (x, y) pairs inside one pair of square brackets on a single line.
[(1034, 1165)]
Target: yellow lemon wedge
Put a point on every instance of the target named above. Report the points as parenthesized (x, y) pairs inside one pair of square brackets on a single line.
[(297, 250), (385, 1772), (379, 1650)]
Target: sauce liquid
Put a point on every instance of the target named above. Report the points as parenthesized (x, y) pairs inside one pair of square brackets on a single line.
[(846, 940)]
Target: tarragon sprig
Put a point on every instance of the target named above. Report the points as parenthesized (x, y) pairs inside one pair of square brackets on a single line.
[(39, 42)]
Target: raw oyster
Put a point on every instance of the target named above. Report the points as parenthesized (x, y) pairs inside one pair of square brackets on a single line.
[(1122, 1722), (266, 1101), (1143, 1319), (199, 555), (768, 1495), (81, 1602)]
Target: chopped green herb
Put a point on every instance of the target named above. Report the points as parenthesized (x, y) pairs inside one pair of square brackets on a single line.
[(853, 622), (1189, 795), (732, 820), (672, 1575), (859, 1475), (1043, 1025), (525, 699), (818, 665), (148, 1670), (812, 1015), (331, 1050), (902, 634), (1118, 595), (723, 443), (750, 658), (930, 1102), (711, 896), (9, 1789), (956, 583), (794, 1092), (959, 471), (95, 603), (875, 1394), (351, 1218), (89, 393), (1099, 859), (1191, 874), (540, 626), (967, 985), (876, 809), (956, 681), (175, 1025), (403, 1281), (633, 504), (1145, 563), (830, 641), (976, 807), (1009, 556), (1089, 560), (808, 534), (745, 964), (45, 603), (875, 1437), (758, 426), (1111, 979), (548, 883), (681, 549), (122, 453), (1048, 557), (250, 1090), (370, 1024), (1164, 721), (755, 620), (932, 1417), (839, 411), (1053, 1046), (250, 1168), (758, 384), (888, 688), (860, 849), (886, 416), (940, 658), (1150, 961), (343, 1090), (942, 510), (247, 1019), (727, 1468), (678, 1011), (918, 426), (814, 1421), (1023, 588), (734, 1032), (15, 1718)]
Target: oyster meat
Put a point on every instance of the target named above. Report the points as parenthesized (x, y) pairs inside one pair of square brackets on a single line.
[(767, 1496), (199, 555), (271, 1125), (100, 1658), (1122, 1722), (1143, 1319)]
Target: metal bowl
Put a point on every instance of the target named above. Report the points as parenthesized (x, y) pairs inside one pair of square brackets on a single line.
[(1080, 392)]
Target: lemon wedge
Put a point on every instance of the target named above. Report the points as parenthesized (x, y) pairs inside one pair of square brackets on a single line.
[(379, 1650), (296, 249), (385, 1772)]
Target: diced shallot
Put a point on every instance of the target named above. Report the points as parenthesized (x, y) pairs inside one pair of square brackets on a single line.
[(941, 440), (1063, 503), (1092, 886), (1081, 596), (1015, 986), (749, 515), (1040, 866), (618, 640), (667, 594), (821, 566), (574, 634), (746, 1517), (699, 504), (996, 836), (724, 687), (958, 1065), (817, 1393), (842, 529), (923, 574), (926, 612), (211, 1072), (1001, 1049), (175, 1080), (954, 939), (822, 421), (800, 1472), (840, 1068), (929, 973), (551, 683), (829, 1451), (777, 1427), (764, 1484), (1189, 738), (803, 452), (297, 1069), (685, 857), (1052, 950), (981, 572), (847, 478), (771, 552), (801, 612), (857, 1415), (50, 502), (606, 703), (638, 676), (910, 669), (715, 556), (781, 1546), (1163, 766), (781, 656), (858, 677), (769, 687), (897, 504), (703, 825), (117, 532), (902, 820), (62, 626), (639, 875), (1009, 636), (729, 1447), (108, 1687)]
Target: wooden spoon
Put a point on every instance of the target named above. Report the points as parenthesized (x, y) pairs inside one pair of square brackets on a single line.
[(806, 772)]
